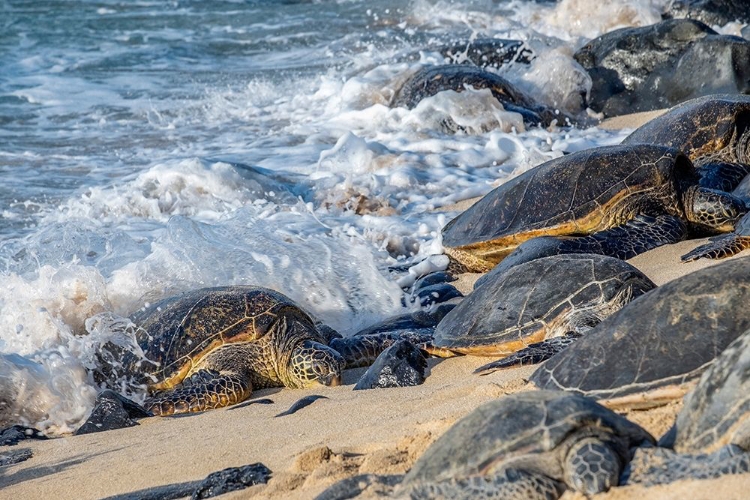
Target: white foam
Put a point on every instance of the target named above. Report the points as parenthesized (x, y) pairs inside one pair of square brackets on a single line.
[(333, 187)]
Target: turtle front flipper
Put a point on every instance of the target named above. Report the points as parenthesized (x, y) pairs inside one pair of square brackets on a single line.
[(719, 248), (508, 484), (532, 354), (204, 390), (723, 246), (651, 466)]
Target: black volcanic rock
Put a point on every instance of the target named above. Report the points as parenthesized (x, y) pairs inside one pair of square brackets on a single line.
[(401, 365), (658, 66)]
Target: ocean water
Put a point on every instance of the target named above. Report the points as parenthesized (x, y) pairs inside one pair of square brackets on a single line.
[(150, 147)]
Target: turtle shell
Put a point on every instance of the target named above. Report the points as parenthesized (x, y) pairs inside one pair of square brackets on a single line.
[(576, 194), (430, 80), (706, 127), (666, 337), (717, 411), (535, 300), (179, 330), (521, 428)]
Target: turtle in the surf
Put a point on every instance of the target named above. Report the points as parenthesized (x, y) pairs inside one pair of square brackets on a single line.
[(525, 446), (713, 131), (652, 350), (429, 80), (614, 200), (711, 435), (533, 310), (211, 347)]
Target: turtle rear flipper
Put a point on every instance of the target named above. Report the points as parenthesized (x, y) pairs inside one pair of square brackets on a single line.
[(532, 354), (204, 390)]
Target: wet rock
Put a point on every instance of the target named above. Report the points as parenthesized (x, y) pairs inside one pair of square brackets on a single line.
[(658, 66), (16, 433), (231, 479), (435, 294), (15, 456), (718, 12), (401, 365), (112, 411), (488, 52)]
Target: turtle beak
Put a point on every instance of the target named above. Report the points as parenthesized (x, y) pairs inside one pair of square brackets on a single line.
[(331, 380)]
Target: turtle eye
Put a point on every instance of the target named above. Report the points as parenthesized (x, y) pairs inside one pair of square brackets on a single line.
[(313, 362)]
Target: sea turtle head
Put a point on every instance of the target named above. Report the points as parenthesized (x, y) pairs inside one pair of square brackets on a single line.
[(716, 210), (313, 363)]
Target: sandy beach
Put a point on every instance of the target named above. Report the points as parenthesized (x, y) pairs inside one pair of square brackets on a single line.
[(378, 431)]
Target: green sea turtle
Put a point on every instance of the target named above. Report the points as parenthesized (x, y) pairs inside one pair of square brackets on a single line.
[(430, 80), (535, 309), (615, 200), (711, 436), (525, 446), (654, 348), (713, 131), (210, 347), (729, 244)]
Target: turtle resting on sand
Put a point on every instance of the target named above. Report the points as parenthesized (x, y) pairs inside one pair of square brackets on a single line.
[(615, 200), (535, 309), (653, 349), (430, 80), (711, 436), (525, 446), (730, 244), (210, 347), (713, 131)]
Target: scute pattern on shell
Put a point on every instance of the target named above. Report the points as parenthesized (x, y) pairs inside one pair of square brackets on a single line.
[(178, 329), (702, 128), (555, 197), (668, 336)]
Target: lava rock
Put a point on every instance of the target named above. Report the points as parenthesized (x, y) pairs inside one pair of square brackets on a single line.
[(401, 365), (112, 411), (488, 52), (15, 456), (435, 294), (718, 12), (231, 479), (658, 66), (16, 433)]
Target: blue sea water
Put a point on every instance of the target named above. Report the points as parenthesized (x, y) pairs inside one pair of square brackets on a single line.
[(150, 147)]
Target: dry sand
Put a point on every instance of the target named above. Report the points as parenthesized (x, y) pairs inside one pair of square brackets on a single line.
[(380, 431)]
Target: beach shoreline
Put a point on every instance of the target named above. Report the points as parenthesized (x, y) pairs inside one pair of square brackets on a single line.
[(375, 431)]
